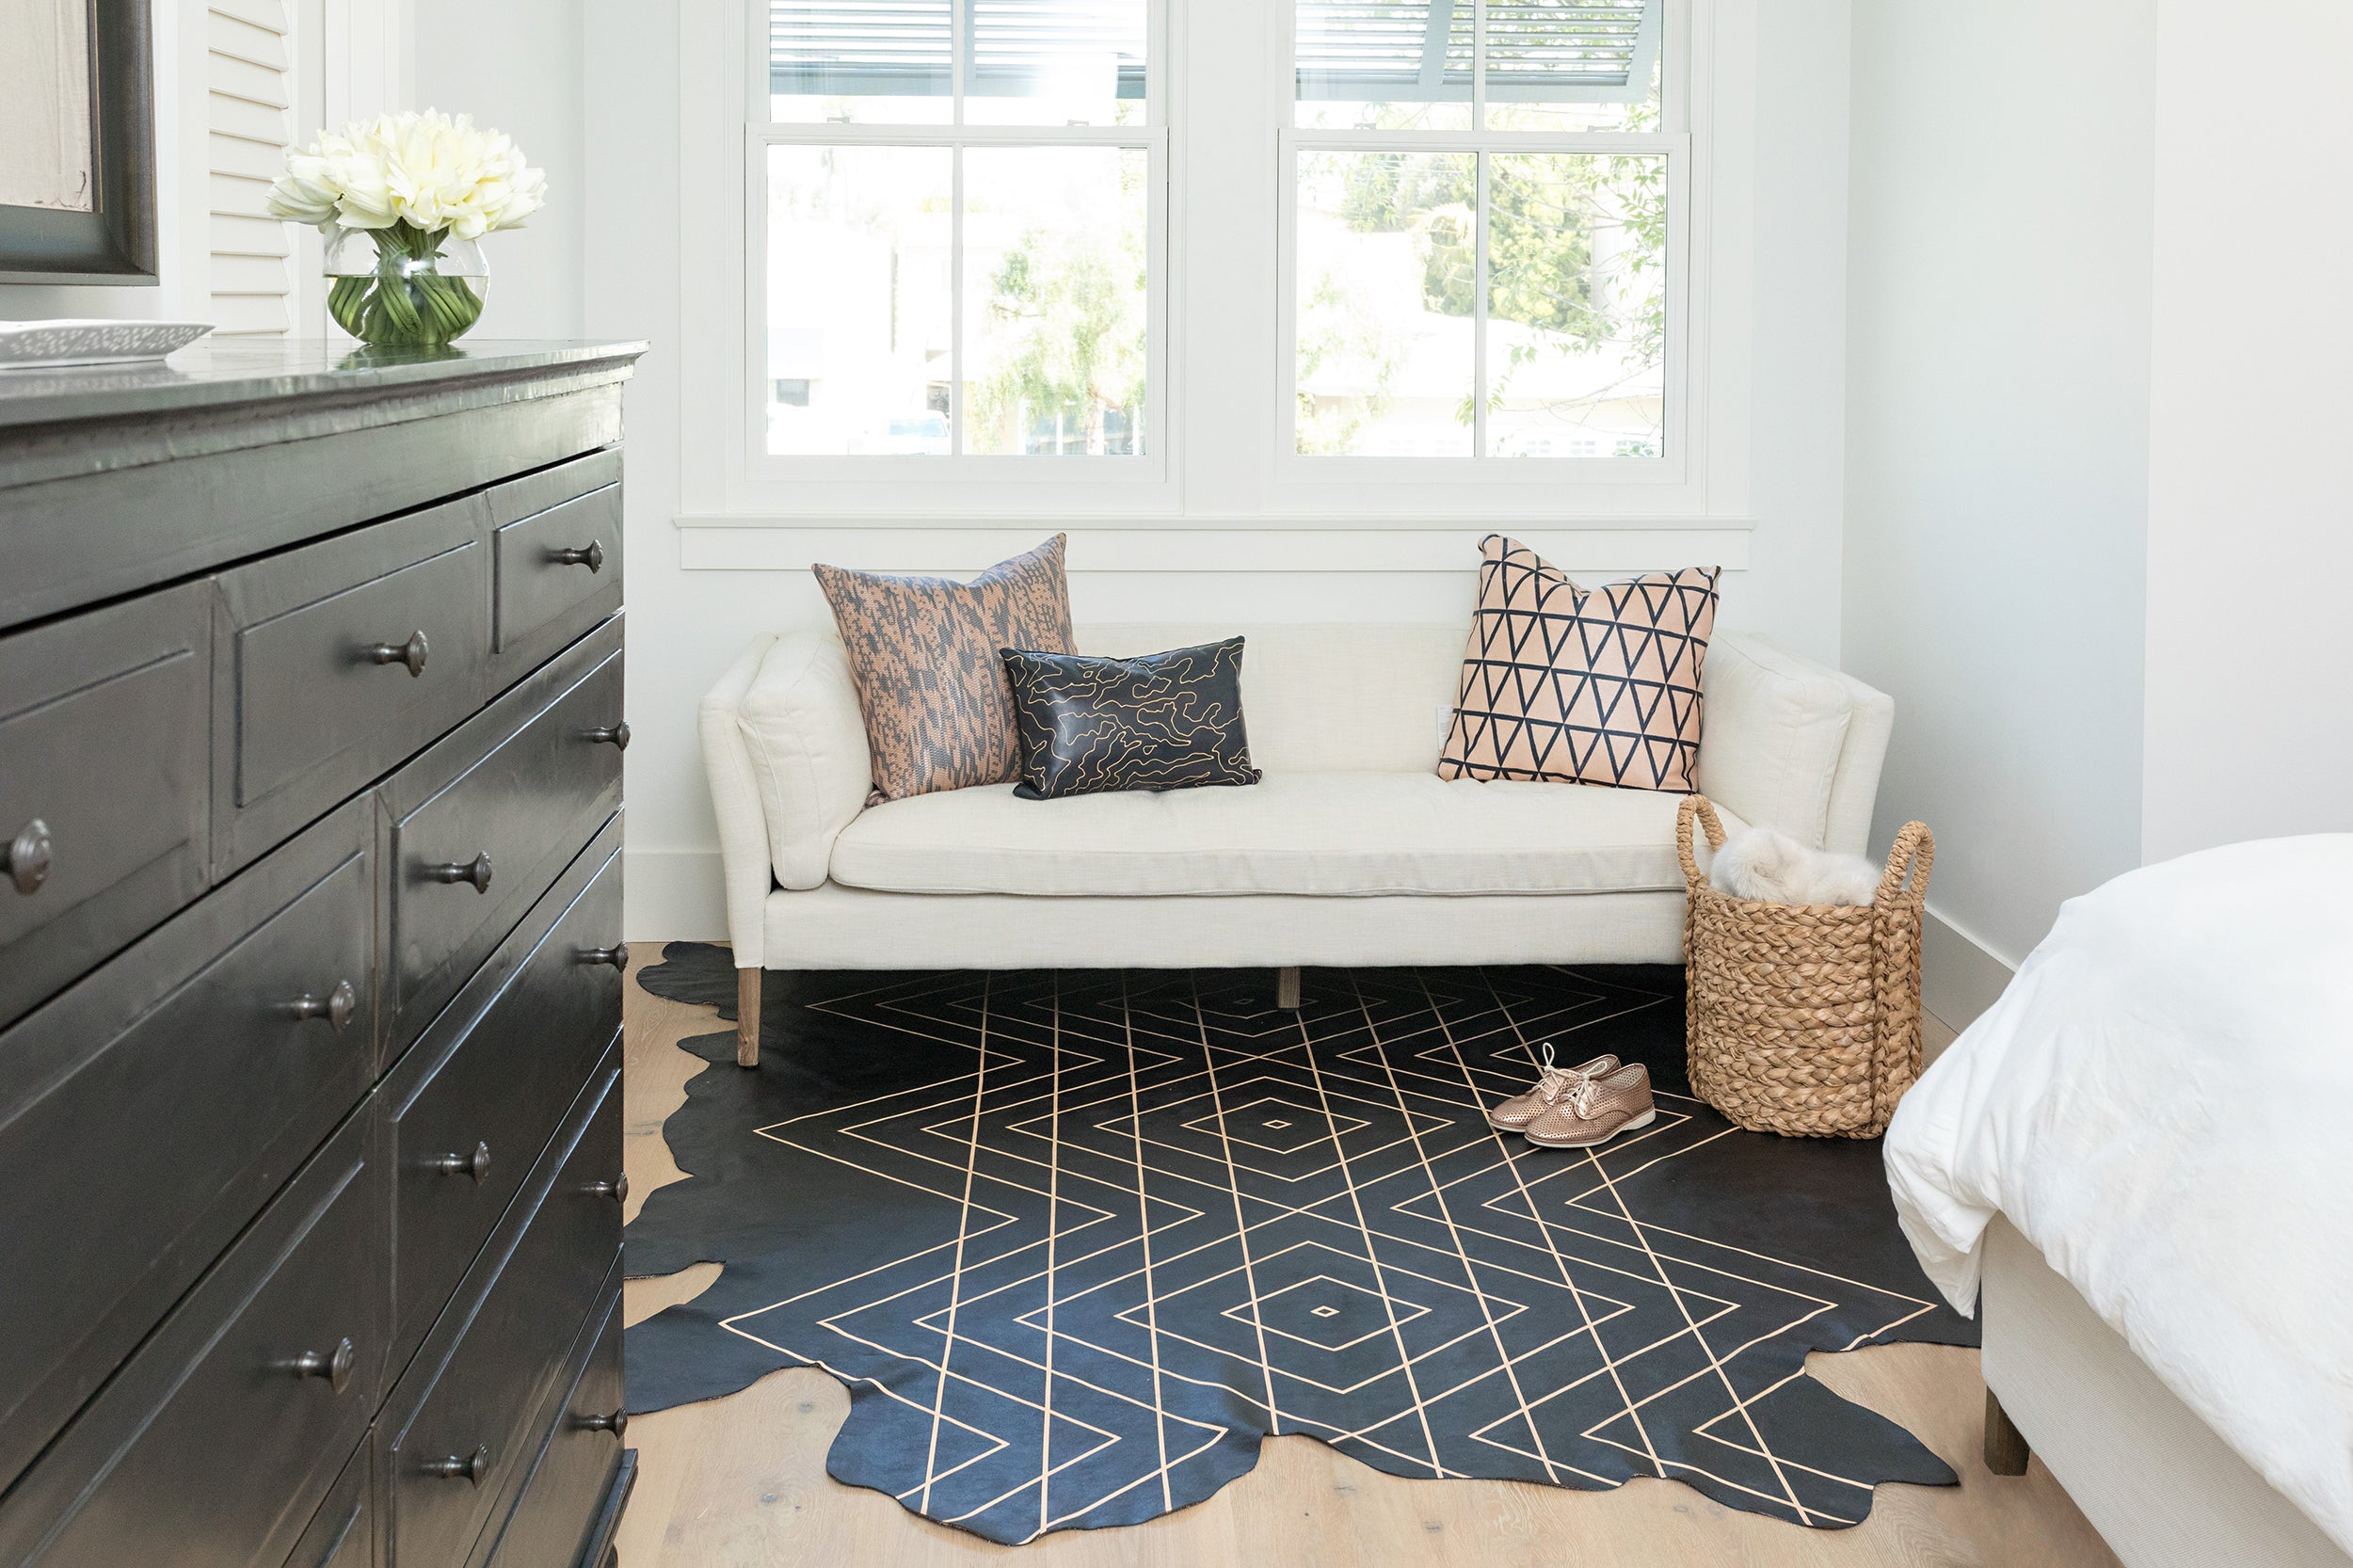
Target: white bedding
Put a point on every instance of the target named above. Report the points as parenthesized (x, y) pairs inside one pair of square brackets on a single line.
[(2161, 1102)]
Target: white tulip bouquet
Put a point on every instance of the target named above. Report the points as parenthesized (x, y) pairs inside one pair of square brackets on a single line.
[(421, 188)]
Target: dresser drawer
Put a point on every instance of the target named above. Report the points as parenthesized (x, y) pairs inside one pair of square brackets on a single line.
[(343, 1531), (580, 1455), (103, 780), (482, 822), (148, 1112), (472, 1106), (556, 547), (214, 1445), (462, 1415), (337, 661)]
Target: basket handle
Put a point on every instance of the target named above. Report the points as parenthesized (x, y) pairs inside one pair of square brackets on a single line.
[(1700, 807), (1914, 846)]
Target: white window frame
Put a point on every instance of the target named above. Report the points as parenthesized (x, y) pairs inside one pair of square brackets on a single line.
[(1478, 466), (1149, 467), (1219, 445)]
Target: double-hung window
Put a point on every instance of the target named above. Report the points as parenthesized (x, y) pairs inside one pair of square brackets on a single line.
[(1231, 258), (1482, 237), (961, 251)]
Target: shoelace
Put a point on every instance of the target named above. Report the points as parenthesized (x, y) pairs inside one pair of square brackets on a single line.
[(1548, 1077), (1558, 1083)]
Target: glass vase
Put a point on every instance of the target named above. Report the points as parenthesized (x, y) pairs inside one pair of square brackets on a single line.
[(405, 287)]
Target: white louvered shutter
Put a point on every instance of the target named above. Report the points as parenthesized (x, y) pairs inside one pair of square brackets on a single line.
[(250, 99)]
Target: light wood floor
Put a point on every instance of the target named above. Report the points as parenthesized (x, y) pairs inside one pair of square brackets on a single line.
[(740, 1482)]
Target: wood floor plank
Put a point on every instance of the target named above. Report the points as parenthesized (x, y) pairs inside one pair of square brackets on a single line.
[(740, 1482)]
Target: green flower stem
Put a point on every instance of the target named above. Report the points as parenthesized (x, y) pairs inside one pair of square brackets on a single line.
[(399, 305)]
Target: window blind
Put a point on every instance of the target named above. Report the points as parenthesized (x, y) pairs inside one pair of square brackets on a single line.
[(248, 117), (1599, 51), (906, 48)]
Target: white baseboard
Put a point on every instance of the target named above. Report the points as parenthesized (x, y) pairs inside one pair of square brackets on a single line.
[(1960, 976), (673, 895)]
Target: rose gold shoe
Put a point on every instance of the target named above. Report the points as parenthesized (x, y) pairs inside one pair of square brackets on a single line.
[(1514, 1114), (1592, 1111)]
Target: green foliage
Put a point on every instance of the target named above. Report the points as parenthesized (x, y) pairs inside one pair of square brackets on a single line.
[(1335, 328), (1576, 251), (1065, 335)]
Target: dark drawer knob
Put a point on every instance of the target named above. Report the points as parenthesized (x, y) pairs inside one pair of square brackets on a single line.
[(476, 1164), (476, 871), (590, 555), (616, 955), (412, 653), (615, 735), (617, 1423), (27, 856), (471, 1469), (334, 1365), (617, 1188), (336, 1007)]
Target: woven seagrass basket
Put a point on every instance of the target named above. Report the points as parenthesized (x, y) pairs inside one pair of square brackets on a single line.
[(1804, 1018)]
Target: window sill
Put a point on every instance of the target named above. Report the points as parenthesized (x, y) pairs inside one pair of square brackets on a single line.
[(1295, 544)]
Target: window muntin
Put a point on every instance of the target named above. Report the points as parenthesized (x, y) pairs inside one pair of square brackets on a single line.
[(1494, 292), (959, 225)]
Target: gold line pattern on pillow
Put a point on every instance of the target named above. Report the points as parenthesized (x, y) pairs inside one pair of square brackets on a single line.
[(923, 653), (1571, 685), (1162, 721)]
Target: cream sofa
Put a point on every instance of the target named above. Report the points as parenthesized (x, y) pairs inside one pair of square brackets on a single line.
[(1350, 851)]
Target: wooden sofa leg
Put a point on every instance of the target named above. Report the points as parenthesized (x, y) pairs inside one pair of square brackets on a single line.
[(2006, 1447), (1286, 989), (747, 1018)]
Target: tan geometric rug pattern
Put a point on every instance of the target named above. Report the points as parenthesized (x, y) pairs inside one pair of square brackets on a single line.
[(1077, 1240)]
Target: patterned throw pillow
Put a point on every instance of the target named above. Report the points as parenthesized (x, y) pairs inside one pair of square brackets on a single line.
[(1165, 721), (923, 655), (1599, 687)]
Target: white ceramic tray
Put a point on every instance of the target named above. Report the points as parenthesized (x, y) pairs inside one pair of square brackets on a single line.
[(29, 345)]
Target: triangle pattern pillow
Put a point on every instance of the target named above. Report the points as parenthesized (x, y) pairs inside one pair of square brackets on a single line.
[(1573, 686)]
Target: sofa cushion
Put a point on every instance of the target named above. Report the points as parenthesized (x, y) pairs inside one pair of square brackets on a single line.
[(1776, 725), (1345, 834), (1325, 698), (923, 653), (1599, 687), (799, 723), (1086, 725)]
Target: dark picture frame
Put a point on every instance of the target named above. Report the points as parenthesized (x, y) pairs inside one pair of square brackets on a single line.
[(114, 243)]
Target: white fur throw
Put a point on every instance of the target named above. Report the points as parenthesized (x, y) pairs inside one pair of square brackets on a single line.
[(1762, 863)]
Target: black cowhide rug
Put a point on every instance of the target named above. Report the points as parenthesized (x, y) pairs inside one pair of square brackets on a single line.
[(1078, 1240)]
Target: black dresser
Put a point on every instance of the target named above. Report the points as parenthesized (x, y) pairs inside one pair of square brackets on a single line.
[(311, 736)]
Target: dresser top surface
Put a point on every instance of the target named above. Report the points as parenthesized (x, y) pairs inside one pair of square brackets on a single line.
[(242, 370)]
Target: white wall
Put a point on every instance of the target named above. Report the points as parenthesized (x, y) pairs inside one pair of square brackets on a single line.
[(517, 66), (1998, 352), (1787, 179), (2251, 503)]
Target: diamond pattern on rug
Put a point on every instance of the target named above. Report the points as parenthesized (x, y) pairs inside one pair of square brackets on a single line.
[(1077, 1240), (1575, 686)]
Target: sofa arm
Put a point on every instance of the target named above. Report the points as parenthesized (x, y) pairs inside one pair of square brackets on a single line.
[(1791, 744), (735, 801)]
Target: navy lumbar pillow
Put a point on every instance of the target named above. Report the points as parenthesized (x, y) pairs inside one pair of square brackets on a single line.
[(1165, 721)]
